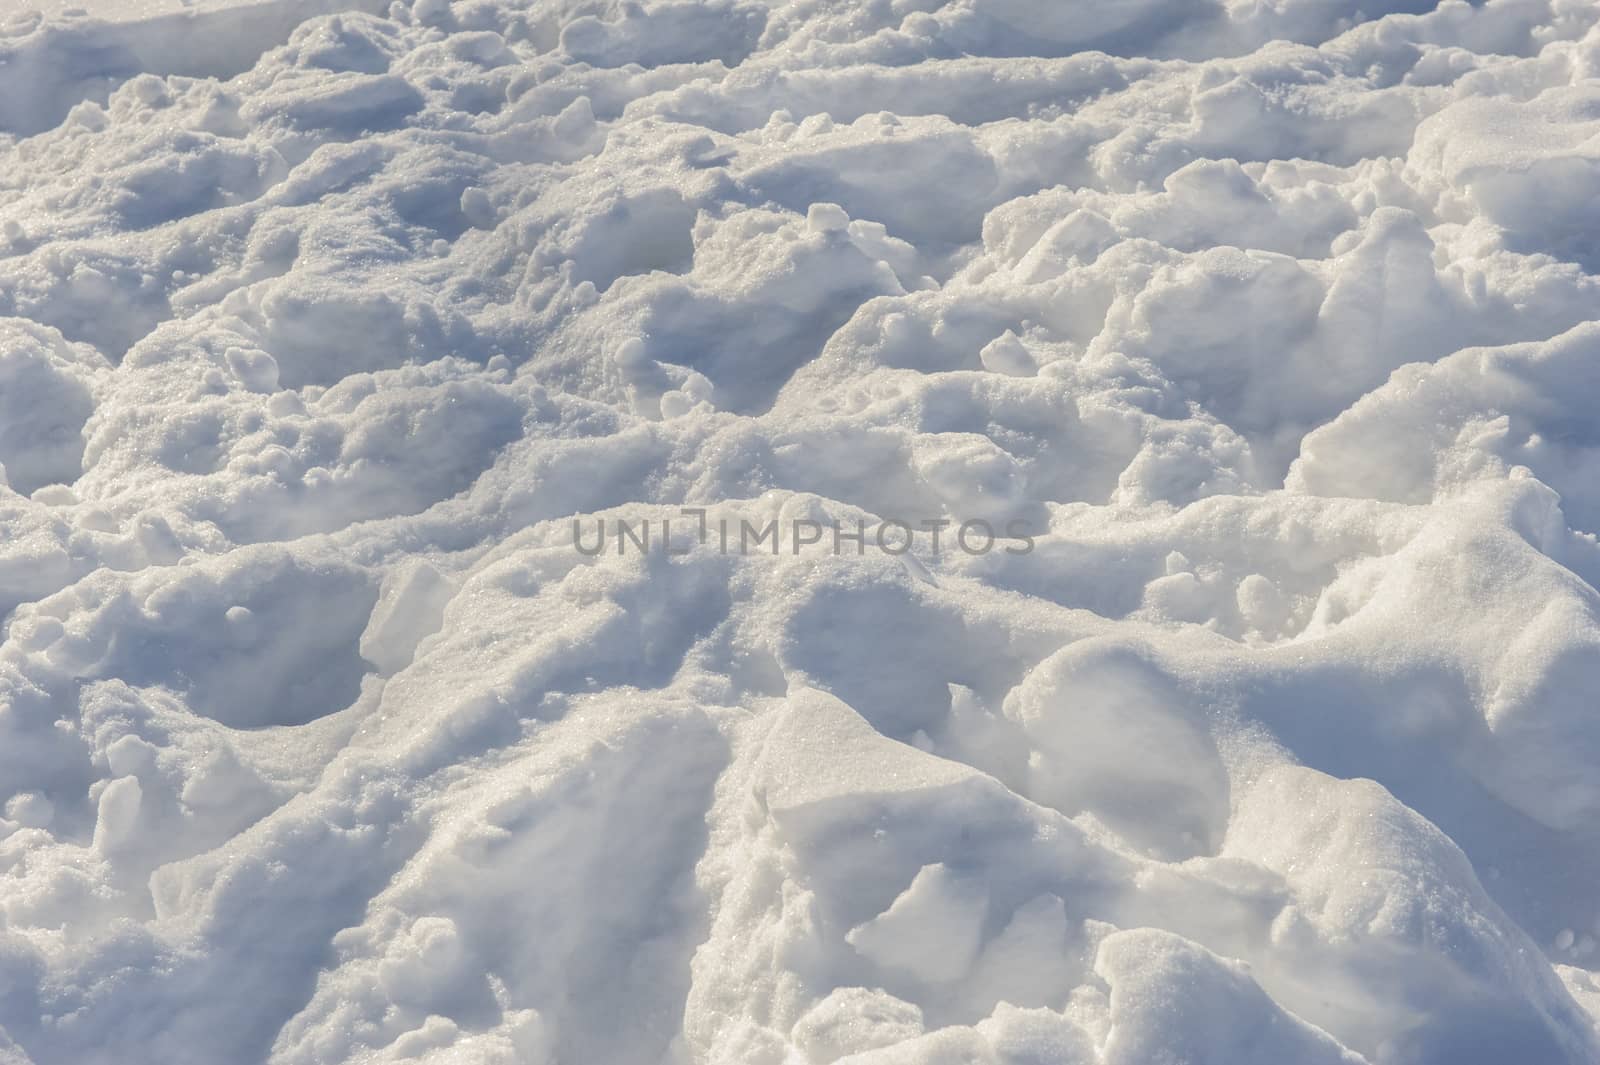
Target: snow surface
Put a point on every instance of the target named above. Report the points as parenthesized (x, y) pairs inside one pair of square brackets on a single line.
[(323, 740)]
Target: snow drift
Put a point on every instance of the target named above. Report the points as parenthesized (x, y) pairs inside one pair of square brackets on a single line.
[(329, 331)]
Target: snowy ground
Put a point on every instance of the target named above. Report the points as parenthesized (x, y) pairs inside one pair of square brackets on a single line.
[(1266, 335)]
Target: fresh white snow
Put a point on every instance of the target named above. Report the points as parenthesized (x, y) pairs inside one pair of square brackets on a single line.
[(458, 460)]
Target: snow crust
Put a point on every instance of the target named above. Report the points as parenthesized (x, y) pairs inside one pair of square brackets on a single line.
[(323, 739)]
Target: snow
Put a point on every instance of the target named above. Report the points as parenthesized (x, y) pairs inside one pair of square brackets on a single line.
[(792, 532)]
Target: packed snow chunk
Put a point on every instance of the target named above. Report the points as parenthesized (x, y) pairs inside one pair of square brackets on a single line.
[(807, 283), (933, 930), (973, 477), (1528, 166), (117, 822), (320, 333), (875, 168), (46, 398), (1007, 1037), (1006, 354), (346, 104), (1539, 713), (1114, 735), (1173, 1000), (274, 636), (1476, 415), (60, 61), (662, 32), (853, 1019), (459, 934), (411, 603), (821, 757), (637, 235), (1033, 960), (1364, 869)]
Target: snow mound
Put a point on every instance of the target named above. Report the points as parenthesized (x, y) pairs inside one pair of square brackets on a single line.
[(791, 532)]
